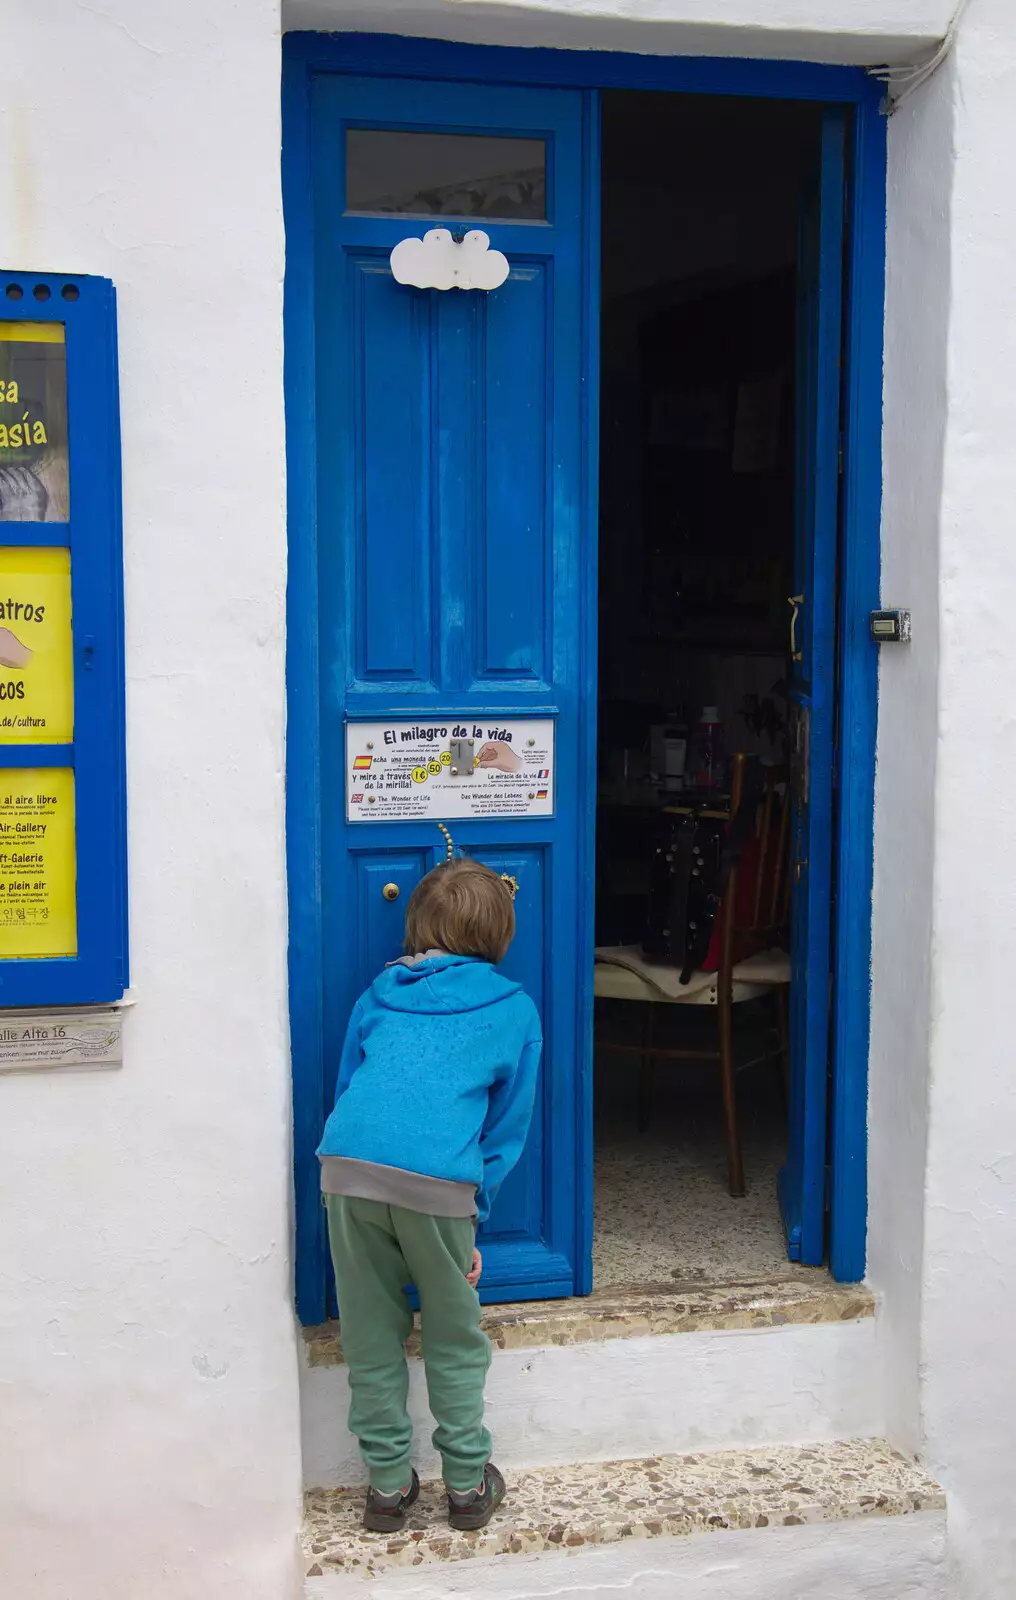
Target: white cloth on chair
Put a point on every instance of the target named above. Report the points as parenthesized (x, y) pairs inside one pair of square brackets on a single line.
[(666, 980), (626, 974)]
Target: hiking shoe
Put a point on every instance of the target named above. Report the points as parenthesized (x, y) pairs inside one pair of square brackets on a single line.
[(386, 1513), (475, 1509)]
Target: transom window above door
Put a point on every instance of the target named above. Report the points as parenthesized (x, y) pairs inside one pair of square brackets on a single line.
[(394, 171)]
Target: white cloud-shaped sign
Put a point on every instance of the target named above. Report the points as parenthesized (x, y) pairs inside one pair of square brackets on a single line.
[(437, 262)]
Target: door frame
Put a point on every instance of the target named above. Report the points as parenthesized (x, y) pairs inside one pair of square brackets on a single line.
[(392, 56)]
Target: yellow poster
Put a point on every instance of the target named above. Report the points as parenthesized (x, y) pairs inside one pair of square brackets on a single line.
[(34, 467), (38, 865), (36, 647)]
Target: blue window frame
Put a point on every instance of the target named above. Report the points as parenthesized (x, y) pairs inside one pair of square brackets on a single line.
[(93, 750)]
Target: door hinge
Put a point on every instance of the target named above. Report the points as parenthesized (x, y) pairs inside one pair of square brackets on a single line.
[(839, 456)]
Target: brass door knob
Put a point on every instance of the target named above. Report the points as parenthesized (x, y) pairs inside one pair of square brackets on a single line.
[(391, 891)]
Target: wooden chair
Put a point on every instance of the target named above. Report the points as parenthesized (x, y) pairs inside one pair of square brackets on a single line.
[(753, 957)]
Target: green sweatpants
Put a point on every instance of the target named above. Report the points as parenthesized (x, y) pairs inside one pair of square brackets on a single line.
[(377, 1250)]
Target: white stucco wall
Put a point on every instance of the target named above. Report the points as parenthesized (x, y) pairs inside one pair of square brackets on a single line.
[(917, 326), (970, 1224), (865, 32), (148, 1385), (943, 1235), (622, 1398)]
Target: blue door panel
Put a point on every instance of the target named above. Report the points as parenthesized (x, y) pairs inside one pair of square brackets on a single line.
[(513, 547), (388, 334), (820, 290), (378, 922), (451, 481)]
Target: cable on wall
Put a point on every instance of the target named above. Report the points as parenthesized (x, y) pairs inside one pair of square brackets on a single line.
[(901, 82)]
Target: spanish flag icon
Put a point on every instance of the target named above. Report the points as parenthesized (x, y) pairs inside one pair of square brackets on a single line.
[(362, 763)]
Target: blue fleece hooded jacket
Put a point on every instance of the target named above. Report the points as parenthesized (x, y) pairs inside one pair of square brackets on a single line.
[(438, 1074)]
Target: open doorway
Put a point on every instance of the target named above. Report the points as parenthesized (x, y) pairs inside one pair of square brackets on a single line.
[(443, 538), (703, 479)]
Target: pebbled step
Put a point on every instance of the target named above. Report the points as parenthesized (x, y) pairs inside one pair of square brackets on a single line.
[(809, 1298), (567, 1509)]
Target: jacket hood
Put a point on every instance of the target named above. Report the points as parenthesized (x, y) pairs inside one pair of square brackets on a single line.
[(441, 984)]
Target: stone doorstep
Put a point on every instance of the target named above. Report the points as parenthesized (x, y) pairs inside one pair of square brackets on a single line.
[(633, 1313), (566, 1509)]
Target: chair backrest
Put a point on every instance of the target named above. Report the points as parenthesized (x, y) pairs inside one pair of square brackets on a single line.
[(756, 900)]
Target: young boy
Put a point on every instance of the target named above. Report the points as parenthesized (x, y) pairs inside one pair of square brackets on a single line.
[(432, 1108)]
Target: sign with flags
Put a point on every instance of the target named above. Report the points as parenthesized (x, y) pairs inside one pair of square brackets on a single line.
[(457, 765)]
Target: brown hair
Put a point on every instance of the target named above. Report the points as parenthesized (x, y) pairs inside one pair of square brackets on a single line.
[(462, 907)]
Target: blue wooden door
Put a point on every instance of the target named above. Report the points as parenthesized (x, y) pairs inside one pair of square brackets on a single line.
[(820, 289), (453, 499)]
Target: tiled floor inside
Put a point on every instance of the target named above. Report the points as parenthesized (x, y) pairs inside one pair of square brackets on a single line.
[(663, 1213)]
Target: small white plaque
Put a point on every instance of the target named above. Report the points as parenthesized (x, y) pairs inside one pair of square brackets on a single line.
[(411, 769), (40, 1040)]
